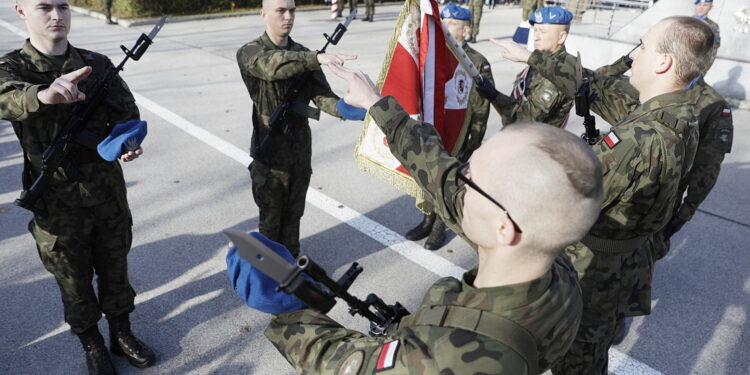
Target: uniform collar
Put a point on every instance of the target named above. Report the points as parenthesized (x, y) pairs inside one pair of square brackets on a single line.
[(669, 99), (42, 64), (501, 298), (266, 41)]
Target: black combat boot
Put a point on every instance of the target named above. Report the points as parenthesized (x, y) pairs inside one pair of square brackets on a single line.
[(437, 236), (97, 358), (124, 343), (422, 229)]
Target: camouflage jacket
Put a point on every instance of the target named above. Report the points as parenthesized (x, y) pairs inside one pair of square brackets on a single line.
[(478, 111), (548, 308), (268, 72), (23, 73), (644, 156), (716, 133), (715, 140), (542, 101)]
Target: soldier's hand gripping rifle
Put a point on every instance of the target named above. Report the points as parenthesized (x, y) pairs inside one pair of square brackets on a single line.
[(55, 156), (277, 123), (583, 100), (311, 284)]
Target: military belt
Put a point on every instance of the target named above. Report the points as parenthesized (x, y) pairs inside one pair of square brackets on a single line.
[(485, 323), (613, 246)]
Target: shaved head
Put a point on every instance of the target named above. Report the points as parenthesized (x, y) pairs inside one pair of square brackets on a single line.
[(547, 178)]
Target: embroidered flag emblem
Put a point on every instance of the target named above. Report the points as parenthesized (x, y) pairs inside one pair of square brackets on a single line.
[(611, 140), (387, 357), (726, 112), (486, 68)]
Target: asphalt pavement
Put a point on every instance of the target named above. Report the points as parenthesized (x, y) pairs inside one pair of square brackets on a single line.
[(192, 183)]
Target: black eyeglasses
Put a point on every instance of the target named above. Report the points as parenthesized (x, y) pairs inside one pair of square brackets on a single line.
[(461, 174)]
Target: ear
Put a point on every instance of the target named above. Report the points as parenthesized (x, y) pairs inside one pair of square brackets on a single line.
[(562, 38), (20, 11), (506, 232), (467, 31), (666, 62)]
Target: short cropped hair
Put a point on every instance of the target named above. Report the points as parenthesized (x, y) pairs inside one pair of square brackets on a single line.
[(689, 40)]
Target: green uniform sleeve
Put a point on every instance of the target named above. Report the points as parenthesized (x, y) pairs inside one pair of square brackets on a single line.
[(544, 104), (480, 112), (323, 97), (272, 64), (613, 102), (18, 99), (120, 102), (418, 147), (615, 69), (714, 144)]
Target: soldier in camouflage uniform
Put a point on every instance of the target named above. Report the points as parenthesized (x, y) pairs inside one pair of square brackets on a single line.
[(456, 20), (529, 7), (535, 98), (369, 10), (82, 224), (475, 6), (515, 313), (715, 140), (269, 66), (702, 7), (108, 12), (648, 150)]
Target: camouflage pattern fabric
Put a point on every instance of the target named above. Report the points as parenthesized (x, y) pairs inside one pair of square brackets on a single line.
[(108, 9), (544, 101), (369, 9), (476, 7), (529, 7), (548, 308), (644, 156), (268, 72), (717, 43), (479, 111), (85, 224), (716, 134)]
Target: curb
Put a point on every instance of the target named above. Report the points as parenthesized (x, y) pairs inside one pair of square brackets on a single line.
[(152, 21)]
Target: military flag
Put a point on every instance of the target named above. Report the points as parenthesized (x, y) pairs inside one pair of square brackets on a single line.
[(422, 73)]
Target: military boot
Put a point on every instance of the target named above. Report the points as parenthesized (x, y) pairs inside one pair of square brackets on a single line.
[(97, 358), (437, 235), (422, 230), (124, 343)]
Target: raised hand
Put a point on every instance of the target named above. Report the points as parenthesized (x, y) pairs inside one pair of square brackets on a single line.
[(512, 51), (361, 91), (65, 88), (334, 58)]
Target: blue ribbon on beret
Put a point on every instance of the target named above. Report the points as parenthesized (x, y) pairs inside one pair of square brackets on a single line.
[(551, 15), (350, 112), (124, 137), (456, 12), (703, 1), (255, 288)]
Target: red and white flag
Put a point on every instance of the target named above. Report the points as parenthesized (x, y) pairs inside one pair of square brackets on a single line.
[(425, 77)]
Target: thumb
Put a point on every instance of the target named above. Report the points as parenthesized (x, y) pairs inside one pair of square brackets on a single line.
[(78, 75)]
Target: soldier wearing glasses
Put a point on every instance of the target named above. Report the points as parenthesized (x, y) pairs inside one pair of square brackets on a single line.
[(519, 310)]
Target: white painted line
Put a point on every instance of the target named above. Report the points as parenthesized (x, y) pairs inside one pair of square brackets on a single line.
[(13, 29), (620, 363)]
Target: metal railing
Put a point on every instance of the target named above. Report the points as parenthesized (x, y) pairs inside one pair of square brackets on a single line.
[(604, 17)]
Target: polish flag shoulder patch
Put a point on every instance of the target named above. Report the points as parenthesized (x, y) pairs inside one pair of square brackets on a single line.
[(726, 112), (387, 357), (611, 139), (486, 68)]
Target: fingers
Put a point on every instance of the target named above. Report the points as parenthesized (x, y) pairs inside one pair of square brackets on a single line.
[(131, 155), (341, 72), (69, 90), (77, 75), (347, 57)]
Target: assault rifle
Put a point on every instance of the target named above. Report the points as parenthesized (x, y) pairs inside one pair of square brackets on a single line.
[(583, 100), (310, 283), (55, 156), (278, 124)]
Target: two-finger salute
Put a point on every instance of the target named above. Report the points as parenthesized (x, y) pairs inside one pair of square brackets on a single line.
[(64, 90)]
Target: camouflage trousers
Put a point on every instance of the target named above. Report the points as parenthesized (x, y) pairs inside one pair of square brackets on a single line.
[(280, 196), (340, 6), (614, 286), (75, 243), (476, 15), (530, 6), (108, 8), (369, 8)]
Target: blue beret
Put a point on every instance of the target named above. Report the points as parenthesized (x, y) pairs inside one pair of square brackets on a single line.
[(124, 137), (456, 12), (255, 288), (551, 15), (703, 1)]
